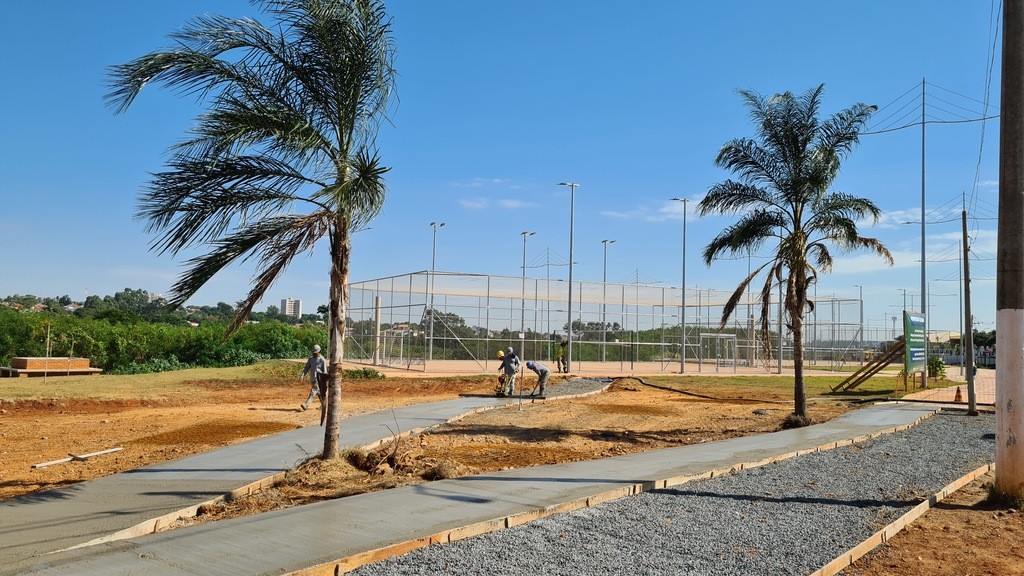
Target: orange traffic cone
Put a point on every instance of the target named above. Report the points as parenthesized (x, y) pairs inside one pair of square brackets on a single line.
[(958, 397)]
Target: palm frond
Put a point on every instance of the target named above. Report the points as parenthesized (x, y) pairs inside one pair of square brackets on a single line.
[(752, 163), (874, 245), (748, 234), (730, 305), (196, 202), (730, 197), (295, 235)]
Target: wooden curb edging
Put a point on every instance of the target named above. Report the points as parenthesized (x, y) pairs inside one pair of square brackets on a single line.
[(349, 563), (885, 534), (154, 525)]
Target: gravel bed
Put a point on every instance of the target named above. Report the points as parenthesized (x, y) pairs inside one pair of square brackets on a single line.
[(791, 517), (566, 388)]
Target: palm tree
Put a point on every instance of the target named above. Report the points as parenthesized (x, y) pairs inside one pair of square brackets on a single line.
[(283, 157), (783, 191)]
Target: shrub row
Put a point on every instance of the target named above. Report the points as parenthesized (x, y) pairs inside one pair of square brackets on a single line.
[(135, 346)]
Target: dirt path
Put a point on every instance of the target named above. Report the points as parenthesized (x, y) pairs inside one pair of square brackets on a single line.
[(961, 535)]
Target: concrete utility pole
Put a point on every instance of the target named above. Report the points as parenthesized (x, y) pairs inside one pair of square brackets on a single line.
[(972, 399), (1010, 261)]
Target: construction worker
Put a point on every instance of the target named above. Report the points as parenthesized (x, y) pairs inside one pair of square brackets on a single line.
[(510, 366), (499, 390), (542, 372), (316, 369), (560, 362)]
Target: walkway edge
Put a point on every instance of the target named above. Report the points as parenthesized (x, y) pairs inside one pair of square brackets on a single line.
[(154, 525), (349, 563), (885, 534)]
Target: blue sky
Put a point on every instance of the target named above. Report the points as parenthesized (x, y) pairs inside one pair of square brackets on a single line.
[(497, 103)]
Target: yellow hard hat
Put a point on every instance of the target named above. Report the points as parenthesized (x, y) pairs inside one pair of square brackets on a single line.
[(501, 354)]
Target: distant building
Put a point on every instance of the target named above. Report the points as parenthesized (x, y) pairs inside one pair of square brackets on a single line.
[(291, 308)]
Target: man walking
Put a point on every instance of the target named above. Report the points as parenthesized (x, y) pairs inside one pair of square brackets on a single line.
[(316, 368), (542, 372)]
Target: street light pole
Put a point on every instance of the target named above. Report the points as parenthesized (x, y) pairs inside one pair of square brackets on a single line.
[(572, 213), (904, 290), (604, 297), (433, 264), (522, 309), (682, 298)]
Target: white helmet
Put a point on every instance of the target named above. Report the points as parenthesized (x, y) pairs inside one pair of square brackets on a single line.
[(316, 348), (510, 350)]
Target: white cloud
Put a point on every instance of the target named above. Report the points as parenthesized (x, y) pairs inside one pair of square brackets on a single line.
[(474, 203), (514, 204), (479, 182), (871, 262)]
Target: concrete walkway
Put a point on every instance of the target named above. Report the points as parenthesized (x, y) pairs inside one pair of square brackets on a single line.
[(319, 534), (34, 525)]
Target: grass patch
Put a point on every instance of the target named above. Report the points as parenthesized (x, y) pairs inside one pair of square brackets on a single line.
[(140, 386), (772, 387)]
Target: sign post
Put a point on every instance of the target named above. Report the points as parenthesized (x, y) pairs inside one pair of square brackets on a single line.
[(914, 341)]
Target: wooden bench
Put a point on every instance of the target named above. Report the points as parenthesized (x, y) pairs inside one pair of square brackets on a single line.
[(27, 367)]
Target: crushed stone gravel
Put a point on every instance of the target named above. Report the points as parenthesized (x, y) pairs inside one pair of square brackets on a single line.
[(790, 517)]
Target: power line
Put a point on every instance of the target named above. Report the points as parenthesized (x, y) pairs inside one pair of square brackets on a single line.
[(993, 28)]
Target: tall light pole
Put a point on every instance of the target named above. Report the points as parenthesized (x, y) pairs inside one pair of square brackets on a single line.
[(904, 290), (522, 309), (433, 264), (572, 213), (682, 299), (604, 297)]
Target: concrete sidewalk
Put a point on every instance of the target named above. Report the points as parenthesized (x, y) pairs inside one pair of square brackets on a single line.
[(133, 501), (321, 534)]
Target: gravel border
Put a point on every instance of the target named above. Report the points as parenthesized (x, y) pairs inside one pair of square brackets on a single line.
[(790, 517)]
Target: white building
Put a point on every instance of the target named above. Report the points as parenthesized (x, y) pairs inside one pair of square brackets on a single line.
[(292, 308)]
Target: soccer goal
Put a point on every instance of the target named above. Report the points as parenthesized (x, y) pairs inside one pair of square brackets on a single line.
[(719, 349)]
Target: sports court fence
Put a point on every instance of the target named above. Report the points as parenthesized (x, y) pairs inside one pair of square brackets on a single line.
[(474, 315)]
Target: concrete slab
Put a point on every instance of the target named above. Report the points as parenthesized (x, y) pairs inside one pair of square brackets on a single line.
[(42, 523), (320, 534)]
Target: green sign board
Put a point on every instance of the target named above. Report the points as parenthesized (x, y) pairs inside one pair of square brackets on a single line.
[(914, 342)]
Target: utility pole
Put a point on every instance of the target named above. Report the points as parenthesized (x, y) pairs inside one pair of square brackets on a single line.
[(972, 403), (924, 304), (1010, 261)]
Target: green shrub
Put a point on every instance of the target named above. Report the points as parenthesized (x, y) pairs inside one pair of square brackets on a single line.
[(154, 365), (936, 367), (363, 374)]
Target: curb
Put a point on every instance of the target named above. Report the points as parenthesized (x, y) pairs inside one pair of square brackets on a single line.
[(349, 563), (154, 525), (847, 559)]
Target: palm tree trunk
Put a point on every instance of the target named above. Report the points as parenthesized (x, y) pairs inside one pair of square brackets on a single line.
[(799, 396), (340, 252)]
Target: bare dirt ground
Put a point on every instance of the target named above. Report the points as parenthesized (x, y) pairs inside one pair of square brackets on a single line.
[(629, 418), (209, 415), (962, 535)]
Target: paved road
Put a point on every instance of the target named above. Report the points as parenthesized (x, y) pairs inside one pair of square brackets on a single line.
[(35, 525), (292, 539)]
